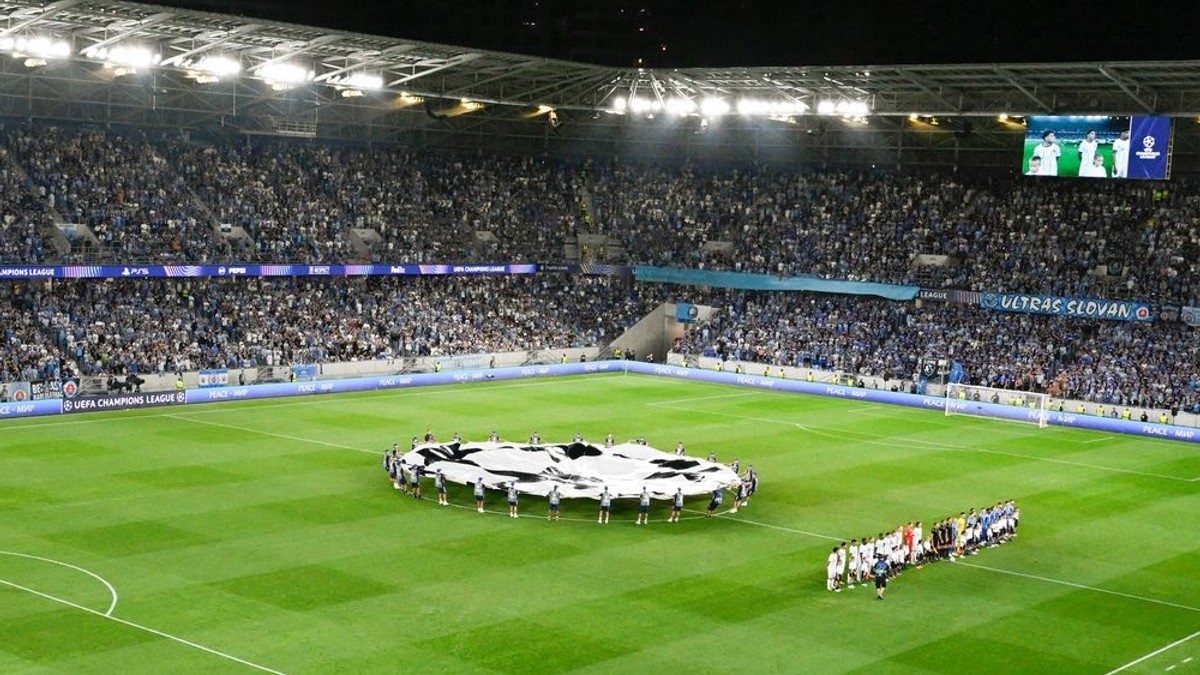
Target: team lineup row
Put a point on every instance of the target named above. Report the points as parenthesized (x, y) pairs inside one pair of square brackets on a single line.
[(888, 554)]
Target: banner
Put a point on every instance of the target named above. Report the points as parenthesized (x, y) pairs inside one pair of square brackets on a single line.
[(123, 401), (766, 282), (16, 392), (70, 387), (306, 372), (46, 389), (1080, 308), (950, 295), (1150, 147), (217, 377), (1190, 316), (204, 271)]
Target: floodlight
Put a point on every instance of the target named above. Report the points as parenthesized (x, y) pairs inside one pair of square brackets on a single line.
[(284, 73), (124, 56), (680, 106), (364, 81), (713, 107), (826, 108), (220, 66)]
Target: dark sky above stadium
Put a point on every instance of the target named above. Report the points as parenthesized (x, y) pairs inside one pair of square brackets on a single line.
[(688, 33)]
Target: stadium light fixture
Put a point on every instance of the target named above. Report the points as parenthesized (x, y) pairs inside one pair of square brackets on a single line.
[(37, 47), (619, 104), (680, 106), (215, 67), (714, 107), (543, 109), (361, 81), (284, 75), (914, 117), (826, 108), (1003, 117), (126, 58), (407, 99)]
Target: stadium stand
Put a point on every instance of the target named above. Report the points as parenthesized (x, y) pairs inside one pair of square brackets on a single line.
[(169, 198), (128, 196)]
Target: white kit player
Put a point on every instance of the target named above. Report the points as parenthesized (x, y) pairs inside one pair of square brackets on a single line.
[(1087, 153), (1121, 156), (841, 566), (867, 556), (855, 563), (1048, 151), (831, 571)]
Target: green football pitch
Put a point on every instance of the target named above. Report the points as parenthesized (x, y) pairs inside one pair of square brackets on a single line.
[(265, 536)]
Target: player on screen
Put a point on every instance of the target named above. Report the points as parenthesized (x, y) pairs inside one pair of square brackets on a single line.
[(643, 507), (1048, 151), (1035, 166), (1087, 152), (1120, 151), (839, 578), (480, 493), (1094, 169)]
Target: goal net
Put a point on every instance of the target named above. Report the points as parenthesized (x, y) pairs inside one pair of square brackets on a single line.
[(1008, 404)]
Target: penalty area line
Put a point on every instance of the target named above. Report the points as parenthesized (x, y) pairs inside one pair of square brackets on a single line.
[(138, 626)]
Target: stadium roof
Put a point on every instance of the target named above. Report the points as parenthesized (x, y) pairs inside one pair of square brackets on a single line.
[(104, 31)]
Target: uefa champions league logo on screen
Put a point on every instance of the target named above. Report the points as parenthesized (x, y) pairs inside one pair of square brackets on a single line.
[(1148, 151)]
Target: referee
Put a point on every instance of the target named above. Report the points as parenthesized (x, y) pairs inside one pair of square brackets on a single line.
[(882, 570)]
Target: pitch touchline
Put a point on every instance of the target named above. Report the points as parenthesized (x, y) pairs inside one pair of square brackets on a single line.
[(111, 591), (140, 627), (219, 407), (934, 445), (1154, 653)]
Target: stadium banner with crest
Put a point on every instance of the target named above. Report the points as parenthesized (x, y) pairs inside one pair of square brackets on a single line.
[(1079, 308), (214, 377), (16, 392), (70, 387), (1190, 316)]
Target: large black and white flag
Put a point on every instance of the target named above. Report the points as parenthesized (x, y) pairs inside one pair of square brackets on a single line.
[(579, 469)]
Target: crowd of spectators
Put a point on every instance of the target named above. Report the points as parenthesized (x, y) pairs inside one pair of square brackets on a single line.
[(163, 326), (163, 196), (1125, 363)]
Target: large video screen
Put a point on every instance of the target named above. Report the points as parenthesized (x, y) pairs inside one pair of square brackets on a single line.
[(1094, 146)]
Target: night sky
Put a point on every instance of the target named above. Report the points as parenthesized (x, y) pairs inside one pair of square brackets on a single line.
[(688, 33)]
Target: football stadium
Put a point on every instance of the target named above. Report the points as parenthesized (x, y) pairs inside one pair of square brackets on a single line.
[(326, 352)]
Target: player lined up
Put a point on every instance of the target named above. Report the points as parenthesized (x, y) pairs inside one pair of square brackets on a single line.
[(910, 545)]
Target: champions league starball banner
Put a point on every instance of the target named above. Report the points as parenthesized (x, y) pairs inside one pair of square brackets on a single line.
[(1079, 308), (578, 469)]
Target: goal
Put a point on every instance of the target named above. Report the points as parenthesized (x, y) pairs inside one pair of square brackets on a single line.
[(1008, 404)]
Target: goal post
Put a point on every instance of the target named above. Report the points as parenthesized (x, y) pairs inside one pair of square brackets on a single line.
[(1008, 404)]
